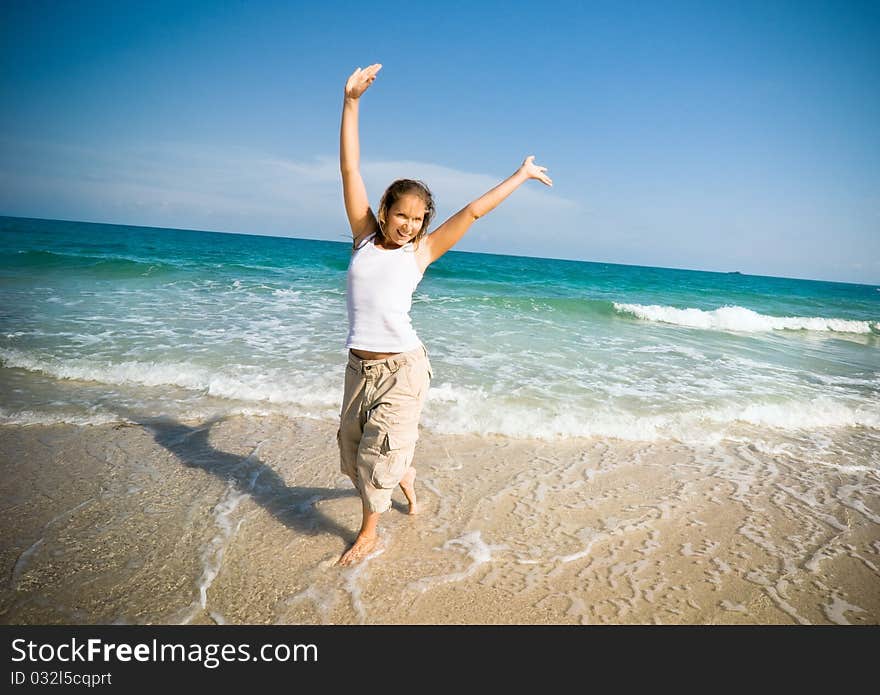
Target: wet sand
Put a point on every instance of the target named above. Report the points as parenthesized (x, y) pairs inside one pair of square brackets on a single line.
[(240, 520)]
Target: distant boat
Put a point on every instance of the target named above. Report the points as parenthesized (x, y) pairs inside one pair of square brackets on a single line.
[(734, 272)]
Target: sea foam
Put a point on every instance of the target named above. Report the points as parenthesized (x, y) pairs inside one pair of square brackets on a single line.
[(233, 382), (737, 318), (457, 410)]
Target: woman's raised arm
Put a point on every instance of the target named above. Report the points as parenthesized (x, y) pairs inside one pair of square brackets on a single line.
[(447, 234), (357, 204)]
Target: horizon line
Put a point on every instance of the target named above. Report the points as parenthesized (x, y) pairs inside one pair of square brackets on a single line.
[(488, 253)]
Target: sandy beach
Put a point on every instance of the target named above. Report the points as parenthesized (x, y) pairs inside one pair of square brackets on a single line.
[(240, 520)]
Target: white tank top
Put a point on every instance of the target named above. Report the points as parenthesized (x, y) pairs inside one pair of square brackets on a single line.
[(381, 283)]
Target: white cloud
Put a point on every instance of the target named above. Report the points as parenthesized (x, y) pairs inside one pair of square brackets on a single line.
[(193, 186)]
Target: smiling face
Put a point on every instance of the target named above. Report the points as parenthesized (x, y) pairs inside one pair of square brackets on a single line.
[(404, 219)]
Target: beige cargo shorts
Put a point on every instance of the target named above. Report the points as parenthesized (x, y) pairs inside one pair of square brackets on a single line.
[(379, 422)]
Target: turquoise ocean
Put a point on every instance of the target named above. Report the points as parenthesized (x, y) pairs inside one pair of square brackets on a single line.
[(108, 323)]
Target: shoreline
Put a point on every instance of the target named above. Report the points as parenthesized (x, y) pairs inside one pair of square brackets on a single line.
[(240, 520)]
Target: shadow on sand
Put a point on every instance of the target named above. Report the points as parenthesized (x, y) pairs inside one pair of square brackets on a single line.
[(291, 505)]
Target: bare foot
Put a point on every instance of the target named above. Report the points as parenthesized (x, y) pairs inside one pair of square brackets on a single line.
[(407, 484), (363, 546)]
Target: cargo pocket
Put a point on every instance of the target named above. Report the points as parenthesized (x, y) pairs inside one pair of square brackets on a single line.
[(395, 453)]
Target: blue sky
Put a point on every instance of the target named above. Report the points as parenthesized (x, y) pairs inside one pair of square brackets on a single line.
[(708, 135)]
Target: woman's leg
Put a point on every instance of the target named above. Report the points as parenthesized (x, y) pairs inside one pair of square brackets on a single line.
[(387, 444), (367, 538), (407, 484), (420, 378)]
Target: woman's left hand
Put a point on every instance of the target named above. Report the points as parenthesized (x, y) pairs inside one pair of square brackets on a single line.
[(533, 171)]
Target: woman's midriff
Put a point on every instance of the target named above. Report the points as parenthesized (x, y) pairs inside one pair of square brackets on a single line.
[(367, 355)]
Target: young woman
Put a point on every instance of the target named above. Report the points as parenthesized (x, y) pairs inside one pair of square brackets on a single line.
[(388, 372)]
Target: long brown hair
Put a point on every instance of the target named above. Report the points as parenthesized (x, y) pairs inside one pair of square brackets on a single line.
[(400, 188)]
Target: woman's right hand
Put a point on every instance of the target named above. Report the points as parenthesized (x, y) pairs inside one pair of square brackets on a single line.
[(360, 80)]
